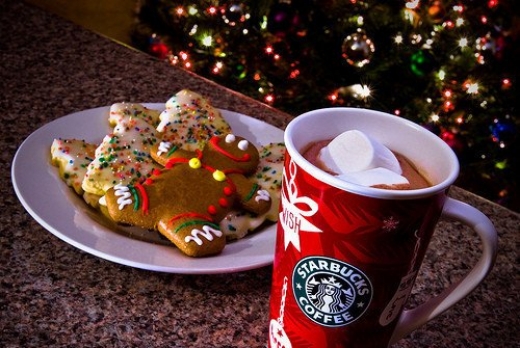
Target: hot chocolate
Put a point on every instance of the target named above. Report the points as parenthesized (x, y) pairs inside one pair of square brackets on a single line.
[(368, 164)]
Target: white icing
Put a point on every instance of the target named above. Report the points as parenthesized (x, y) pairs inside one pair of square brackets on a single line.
[(237, 224), (166, 118), (230, 138), (72, 156), (124, 194), (207, 232), (182, 98), (262, 195), (243, 145), (119, 111), (164, 146), (190, 121)]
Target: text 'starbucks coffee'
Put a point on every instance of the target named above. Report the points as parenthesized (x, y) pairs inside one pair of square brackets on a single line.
[(347, 254), (330, 292)]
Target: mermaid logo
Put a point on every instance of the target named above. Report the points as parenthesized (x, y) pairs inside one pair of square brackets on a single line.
[(331, 292)]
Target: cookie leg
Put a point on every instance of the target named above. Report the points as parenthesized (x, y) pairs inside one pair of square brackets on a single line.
[(196, 238)]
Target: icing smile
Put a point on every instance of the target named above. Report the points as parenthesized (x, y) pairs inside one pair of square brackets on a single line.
[(230, 138)]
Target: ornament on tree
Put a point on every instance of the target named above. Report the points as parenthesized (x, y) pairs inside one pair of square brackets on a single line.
[(357, 49), (422, 63), (436, 12), (239, 71), (500, 46), (158, 48), (282, 19), (235, 13), (503, 131), (485, 47), (412, 16), (454, 140)]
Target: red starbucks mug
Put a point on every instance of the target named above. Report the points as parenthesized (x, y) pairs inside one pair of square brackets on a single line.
[(347, 256)]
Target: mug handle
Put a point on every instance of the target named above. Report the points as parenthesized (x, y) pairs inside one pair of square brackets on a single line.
[(476, 220)]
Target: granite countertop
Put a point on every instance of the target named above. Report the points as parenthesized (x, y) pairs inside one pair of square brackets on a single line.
[(53, 294)]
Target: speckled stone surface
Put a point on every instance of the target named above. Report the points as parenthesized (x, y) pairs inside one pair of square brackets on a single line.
[(52, 294)]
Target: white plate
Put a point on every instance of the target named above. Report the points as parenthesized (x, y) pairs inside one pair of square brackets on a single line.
[(59, 210)]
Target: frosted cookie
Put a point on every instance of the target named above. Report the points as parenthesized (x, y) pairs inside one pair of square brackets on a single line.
[(190, 121), (269, 174), (187, 199), (121, 111), (123, 157), (237, 224), (72, 156)]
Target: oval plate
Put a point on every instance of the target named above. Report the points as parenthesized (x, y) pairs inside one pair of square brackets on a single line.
[(58, 209)]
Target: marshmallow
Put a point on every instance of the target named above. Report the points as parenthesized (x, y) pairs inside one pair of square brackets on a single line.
[(359, 159), (375, 176)]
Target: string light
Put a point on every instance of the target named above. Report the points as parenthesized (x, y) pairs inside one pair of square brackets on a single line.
[(207, 40), (294, 74), (269, 99), (333, 97), (441, 75), (192, 10), (217, 68), (361, 91), (179, 11), (458, 8)]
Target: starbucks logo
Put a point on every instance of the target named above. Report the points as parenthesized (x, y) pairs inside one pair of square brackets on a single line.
[(330, 292)]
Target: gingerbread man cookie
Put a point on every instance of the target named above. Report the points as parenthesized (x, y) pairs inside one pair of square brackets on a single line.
[(186, 200)]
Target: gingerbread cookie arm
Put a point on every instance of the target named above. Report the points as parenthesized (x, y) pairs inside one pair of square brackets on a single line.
[(164, 151), (252, 197), (130, 205)]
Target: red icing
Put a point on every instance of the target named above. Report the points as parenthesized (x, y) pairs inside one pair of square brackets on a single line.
[(191, 215), (214, 141), (212, 210), (223, 202), (175, 161)]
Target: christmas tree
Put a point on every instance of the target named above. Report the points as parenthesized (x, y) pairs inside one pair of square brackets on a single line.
[(448, 65)]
